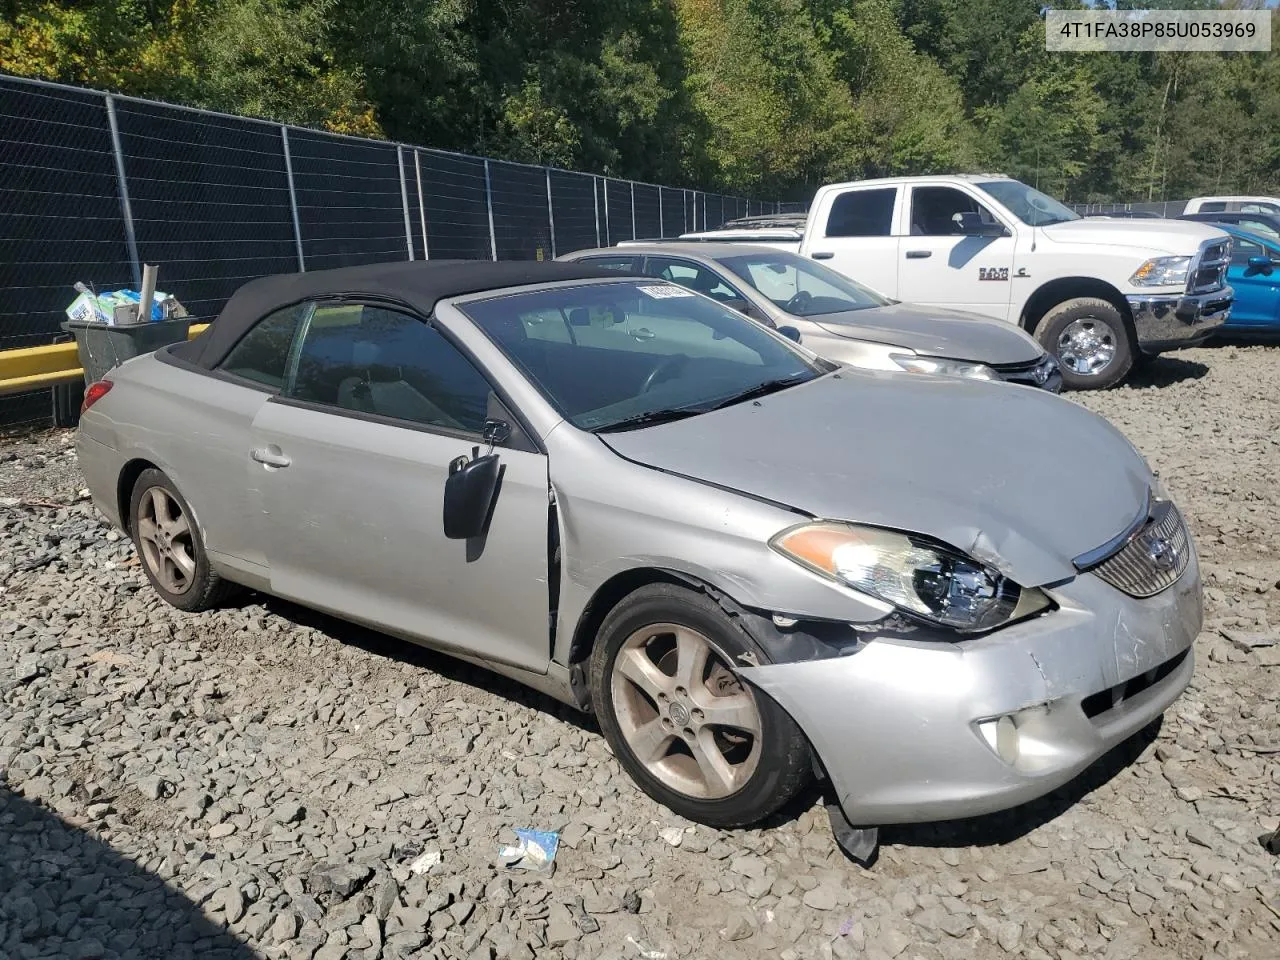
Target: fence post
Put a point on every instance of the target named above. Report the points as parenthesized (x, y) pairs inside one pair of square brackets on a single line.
[(488, 202), (608, 234), (551, 215), (661, 230), (122, 187), (633, 210), (595, 199), (422, 207), (293, 198), (404, 202)]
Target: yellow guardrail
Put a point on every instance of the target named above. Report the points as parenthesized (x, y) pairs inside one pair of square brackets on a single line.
[(31, 368)]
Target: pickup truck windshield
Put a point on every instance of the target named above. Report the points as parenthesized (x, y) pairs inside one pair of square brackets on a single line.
[(622, 356), (799, 286), (1028, 204)]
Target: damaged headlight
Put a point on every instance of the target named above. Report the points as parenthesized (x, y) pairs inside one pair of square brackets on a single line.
[(920, 578)]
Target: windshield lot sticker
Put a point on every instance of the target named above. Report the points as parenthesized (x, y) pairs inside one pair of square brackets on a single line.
[(665, 291), (993, 273)]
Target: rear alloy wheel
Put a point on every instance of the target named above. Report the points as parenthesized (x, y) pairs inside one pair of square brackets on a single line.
[(169, 544), (1089, 339), (691, 733)]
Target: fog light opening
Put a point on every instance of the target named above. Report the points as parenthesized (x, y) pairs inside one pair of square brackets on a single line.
[(1001, 735)]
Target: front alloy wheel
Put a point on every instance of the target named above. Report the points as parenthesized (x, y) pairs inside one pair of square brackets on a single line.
[(683, 713), (665, 687)]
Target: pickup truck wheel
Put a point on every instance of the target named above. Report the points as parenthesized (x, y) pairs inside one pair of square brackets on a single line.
[(1090, 341)]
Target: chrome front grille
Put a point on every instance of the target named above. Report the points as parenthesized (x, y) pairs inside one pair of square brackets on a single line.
[(1209, 269), (1035, 373), (1153, 558)]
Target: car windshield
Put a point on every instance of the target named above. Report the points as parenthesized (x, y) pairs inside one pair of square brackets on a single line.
[(800, 286), (614, 356), (1027, 203)]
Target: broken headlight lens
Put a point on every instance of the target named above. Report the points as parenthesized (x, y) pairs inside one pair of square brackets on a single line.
[(918, 577)]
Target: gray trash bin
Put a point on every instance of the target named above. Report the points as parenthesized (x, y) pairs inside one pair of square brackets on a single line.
[(104, 346)]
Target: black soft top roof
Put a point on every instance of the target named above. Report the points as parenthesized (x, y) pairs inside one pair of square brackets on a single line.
[(419, 284)]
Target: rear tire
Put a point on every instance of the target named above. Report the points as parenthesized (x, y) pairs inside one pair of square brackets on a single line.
[(684, 727), (1090, 340), (170, 546)]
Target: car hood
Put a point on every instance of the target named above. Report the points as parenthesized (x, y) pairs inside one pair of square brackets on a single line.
[(1174, 237), (1020, 479), (935, 333)]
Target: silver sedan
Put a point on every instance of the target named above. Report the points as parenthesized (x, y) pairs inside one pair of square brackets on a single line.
[(837, 318), (953, 595)]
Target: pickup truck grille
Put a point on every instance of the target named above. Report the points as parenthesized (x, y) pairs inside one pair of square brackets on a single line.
[(1209, 269)]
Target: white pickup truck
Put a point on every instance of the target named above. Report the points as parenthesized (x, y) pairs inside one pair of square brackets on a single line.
[(1098, 294)]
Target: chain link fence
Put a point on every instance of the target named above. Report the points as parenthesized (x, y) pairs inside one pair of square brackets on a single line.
[(1158, 208), (93, 185)]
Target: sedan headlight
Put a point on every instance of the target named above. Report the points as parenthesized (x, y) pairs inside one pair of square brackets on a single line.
[(943, 368), (918, 577), (1161, 272)]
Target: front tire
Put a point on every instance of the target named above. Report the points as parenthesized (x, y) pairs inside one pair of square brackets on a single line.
[(1090, 340), (684, 727), (170, 547)]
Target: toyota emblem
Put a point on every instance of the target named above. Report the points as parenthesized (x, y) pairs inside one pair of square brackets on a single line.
[(1162, 554)]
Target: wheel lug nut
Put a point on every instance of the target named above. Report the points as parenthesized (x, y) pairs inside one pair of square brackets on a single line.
[(688, 733), (680, 691), (662, 696), (697, 714), (666, 722)]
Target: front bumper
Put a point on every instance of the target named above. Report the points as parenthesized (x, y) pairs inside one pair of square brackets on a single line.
[(903, 731), (1169, 322)]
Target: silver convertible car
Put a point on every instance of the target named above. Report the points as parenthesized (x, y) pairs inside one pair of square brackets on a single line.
[(946, 596), (837, 318)]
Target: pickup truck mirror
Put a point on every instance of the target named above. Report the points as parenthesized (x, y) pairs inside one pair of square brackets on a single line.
[(972, 225), (1262, 264)]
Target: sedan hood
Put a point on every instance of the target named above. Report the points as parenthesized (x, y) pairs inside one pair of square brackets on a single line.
[(935, 333), (1017, 478)]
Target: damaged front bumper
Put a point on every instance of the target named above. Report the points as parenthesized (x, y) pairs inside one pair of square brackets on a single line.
[(910, 731)]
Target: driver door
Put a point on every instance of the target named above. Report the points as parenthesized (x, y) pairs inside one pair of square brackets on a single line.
[(939, 266), (350, 463)]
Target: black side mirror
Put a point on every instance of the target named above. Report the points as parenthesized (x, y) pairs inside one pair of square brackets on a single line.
[(791, 333), (972, 225), (1261, 264), (468, 496)]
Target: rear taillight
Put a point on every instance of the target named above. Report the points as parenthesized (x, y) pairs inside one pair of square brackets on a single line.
[(93, 393)]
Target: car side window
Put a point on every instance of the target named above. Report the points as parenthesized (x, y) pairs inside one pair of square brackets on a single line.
[(1242, 250), (935, 211), (375, 360), (1258, 207), (692, 275), (1213, 206), (621, 264), (862, 213), (262, 355)]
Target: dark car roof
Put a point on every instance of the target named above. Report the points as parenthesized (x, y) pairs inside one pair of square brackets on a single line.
[(419, 284)]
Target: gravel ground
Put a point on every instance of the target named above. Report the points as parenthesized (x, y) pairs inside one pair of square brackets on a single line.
[(263, 781)]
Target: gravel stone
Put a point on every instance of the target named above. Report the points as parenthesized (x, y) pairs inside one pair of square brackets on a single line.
[(281, 767)]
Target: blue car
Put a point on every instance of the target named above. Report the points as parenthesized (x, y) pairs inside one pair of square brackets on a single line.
[(1255, 275)]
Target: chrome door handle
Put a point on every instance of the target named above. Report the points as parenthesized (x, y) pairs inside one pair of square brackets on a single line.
[(644, 333), (919, 254), (822, 255), (270, 456)]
